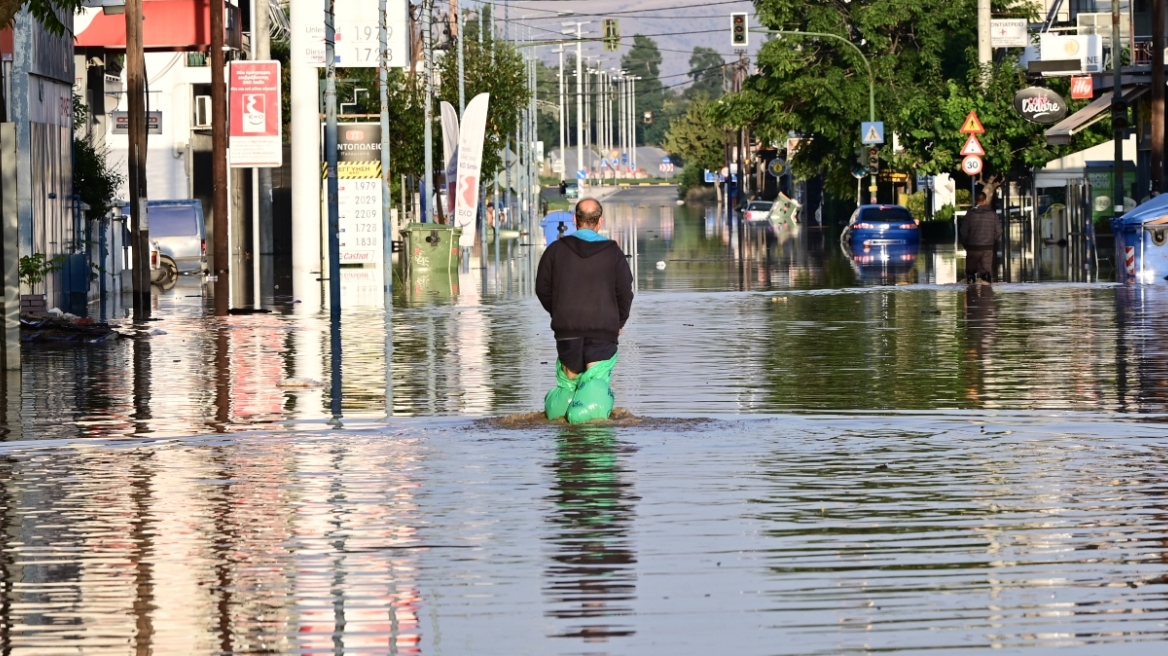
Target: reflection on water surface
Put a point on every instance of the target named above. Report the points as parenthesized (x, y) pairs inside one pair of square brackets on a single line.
[(890, 463)]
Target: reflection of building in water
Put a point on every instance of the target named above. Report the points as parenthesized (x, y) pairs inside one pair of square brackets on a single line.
[(590, 581)]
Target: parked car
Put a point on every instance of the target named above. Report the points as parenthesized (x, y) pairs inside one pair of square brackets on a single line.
[(757, 210), (880, 225), (179, 230), (571, 189)]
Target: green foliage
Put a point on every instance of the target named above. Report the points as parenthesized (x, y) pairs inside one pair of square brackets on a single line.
[(915, 204), (644, 61), (692, 177), (34, 268), (45, 11), (1013, 145), (917, 49), (93, 179), (706, 69), (696, 138)]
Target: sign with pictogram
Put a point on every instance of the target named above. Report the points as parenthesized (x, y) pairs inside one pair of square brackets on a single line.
[(972, 147), (871, 132), (972, 125), (777, 167), (255, 120), (971, 165), (1082, 88)]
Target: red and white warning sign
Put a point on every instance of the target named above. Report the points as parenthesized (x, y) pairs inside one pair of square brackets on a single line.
[(255, 118), (972, 147)]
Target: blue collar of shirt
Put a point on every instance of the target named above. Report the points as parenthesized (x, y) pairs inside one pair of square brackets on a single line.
[(588, 235)]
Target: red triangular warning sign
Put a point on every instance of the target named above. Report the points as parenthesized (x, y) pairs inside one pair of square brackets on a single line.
[(972, 147), (972, 125)]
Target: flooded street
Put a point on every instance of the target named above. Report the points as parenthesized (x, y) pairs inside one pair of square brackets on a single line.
[(817, 454)]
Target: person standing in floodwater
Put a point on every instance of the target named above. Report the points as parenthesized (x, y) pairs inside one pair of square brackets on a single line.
[(981, 230), (585, 284)]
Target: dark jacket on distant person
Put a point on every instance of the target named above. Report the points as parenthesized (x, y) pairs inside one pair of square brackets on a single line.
[(586, 286), (981, 229)]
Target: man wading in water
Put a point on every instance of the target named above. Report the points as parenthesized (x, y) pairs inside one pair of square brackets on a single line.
[(585, 283), (980, 232)]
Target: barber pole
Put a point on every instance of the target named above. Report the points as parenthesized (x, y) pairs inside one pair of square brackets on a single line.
[(1129, 260)]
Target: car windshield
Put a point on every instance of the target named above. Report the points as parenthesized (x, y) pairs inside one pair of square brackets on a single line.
[(886, 215), (173, 221), (758, 205)]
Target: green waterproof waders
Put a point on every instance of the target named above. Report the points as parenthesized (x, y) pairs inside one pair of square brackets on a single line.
[(585, 398)]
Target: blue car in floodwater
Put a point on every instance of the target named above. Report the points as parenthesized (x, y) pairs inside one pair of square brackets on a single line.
[(880, 225)]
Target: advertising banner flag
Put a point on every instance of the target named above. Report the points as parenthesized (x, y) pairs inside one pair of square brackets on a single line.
[(450, 152), (255, 120), (470, 160)]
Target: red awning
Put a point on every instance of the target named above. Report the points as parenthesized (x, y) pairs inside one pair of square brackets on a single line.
[(5, 41), (168, 25)]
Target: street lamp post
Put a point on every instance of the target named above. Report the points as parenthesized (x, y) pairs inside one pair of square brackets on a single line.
[(563, 159), (867, 65), (579, 93)]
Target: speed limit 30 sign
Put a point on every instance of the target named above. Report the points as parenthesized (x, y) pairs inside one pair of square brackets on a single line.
[(971, 165)]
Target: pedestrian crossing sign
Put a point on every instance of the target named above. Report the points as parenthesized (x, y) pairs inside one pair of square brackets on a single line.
[(872, 133)]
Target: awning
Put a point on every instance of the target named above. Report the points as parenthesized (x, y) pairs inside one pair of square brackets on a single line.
[(1061, 133)]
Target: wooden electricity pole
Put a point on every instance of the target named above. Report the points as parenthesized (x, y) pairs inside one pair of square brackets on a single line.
[(136, 106), (1157, 117), (221, 251)]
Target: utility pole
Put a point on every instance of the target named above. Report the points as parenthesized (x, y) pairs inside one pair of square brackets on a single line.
[(222, 247), (985, 52), (386, 200), (429, 198), (461, 65), (262, 250), (1157, 117), (139, 219), (1118, 111), (563, 158), (633, 122), (580, 94)]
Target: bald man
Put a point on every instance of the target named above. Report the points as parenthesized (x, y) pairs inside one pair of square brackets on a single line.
[(585, 283)]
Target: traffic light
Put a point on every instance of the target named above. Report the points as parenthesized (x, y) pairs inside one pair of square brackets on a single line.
[(738, 33), (611, 35), (873, 160), (1119, 115)]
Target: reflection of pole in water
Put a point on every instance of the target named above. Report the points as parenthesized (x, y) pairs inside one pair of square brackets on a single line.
[(591, 581)]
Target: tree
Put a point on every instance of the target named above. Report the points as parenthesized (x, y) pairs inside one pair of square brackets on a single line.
[(643, 60), (45, 11), (706, 69), (697, 138), (1013, 145), (819, 86)]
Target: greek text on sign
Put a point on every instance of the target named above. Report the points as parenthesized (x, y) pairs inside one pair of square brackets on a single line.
[(359, 198), (972, 147), (255, 114), (358, 36), (971, 165), (1009, 33)]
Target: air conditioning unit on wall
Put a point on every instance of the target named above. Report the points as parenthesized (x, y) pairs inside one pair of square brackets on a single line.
[(202, 118)]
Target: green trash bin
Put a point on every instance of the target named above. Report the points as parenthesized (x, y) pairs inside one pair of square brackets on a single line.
[(431, 247)]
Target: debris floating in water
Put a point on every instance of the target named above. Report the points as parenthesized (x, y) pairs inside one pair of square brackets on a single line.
[(300, 383)]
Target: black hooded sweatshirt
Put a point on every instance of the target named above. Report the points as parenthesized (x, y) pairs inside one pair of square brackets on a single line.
[(586, 286)]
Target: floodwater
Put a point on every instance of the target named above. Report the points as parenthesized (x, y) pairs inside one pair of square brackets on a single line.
[(815, 455)]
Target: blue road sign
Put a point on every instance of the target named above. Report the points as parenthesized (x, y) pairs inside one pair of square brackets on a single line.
[(872, 133), (624, 158), (665, 160), (581, 174), (710, 176)]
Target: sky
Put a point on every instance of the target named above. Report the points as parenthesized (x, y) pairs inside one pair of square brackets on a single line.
[(661, 19)]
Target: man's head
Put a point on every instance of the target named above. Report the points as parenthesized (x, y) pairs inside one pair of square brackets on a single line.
[(982, 198), (589, 214)]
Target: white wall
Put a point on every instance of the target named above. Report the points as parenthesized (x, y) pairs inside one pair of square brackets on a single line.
[(169, 81)]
